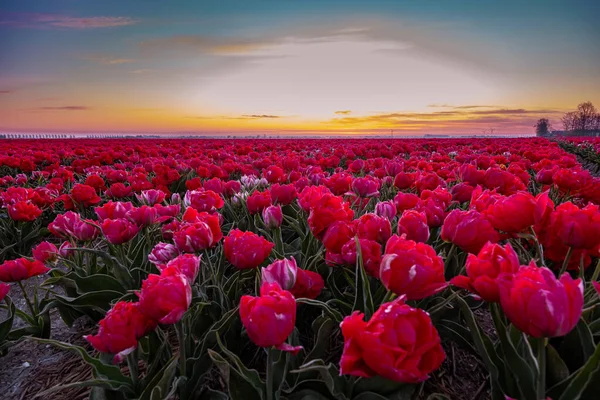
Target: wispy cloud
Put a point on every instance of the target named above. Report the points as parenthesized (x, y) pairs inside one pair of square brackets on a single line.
[(458, 116), (202, 43), (241, 117), (261, 116), (108, 60), (66, 108), (38, 20), (343, 112), (6, 91), (140, 71)]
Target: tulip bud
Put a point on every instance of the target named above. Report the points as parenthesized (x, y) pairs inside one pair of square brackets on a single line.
[(283, 272), (66, 250), (386, 209), (163, 253), (273, 217)]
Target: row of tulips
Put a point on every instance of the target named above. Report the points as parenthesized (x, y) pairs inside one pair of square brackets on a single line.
[(350, 264)]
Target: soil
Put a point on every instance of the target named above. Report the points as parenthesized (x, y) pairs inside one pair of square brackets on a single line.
[(30, 368)]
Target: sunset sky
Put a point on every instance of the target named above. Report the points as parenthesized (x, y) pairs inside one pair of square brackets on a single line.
[(285, 66)]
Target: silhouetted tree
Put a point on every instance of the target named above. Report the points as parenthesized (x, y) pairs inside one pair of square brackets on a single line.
[(584, 121), (542, 127)]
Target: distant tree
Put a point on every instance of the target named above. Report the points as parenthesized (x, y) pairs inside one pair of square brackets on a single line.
[(584, 121), (542, 127)]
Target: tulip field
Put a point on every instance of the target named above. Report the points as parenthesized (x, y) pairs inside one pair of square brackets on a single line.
[(291, 269)]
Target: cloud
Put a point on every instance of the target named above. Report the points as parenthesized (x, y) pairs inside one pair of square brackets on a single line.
[(261, 116), (343, 112), (37, 20), (108, 60), (6, 91), (140, 71), (458, 116), (241, 117), (204, 44), (66, 108)]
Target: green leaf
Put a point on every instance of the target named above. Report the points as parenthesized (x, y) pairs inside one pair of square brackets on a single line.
[(526, 377), (161, 381), (329, 311), (6, 324), (238, 386), (582, 378), (108, 373), (556, 367), (383, 387), (577, 346), (97, 301), (483, 344), (330, 375), (363, 300)]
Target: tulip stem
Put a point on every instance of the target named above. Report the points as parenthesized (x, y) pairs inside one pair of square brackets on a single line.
[(270, 362), (389, 296), (132, 363), (566, 262), (596, 271), (27, 300), (182, 355), (541, 356), (538, 247)]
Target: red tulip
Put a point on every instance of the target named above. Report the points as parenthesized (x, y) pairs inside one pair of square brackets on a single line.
[(412, 269), (45, 252), (21, 269), (413, 224), (4, 289), (120, 330), (118, 191), (143, 216), (371, 255), (23, 211), (577, 228), (512, 214), (113, 210), (258, 201), (270, 318), (469, 230), (186, 264), (85, 195), (326, 211), (405, 201), (372, 227), (283, 194), (203, 200), (483, 270), (166, 297), (337, 235), (118, 231), (398, 343), (539, 304), (193, 237), (310, 196), (246, 250)]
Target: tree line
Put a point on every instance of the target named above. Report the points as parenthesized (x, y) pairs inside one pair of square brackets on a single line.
[(585, 121)]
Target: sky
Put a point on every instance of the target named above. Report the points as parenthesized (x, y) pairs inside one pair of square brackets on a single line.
[(295, 66)]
